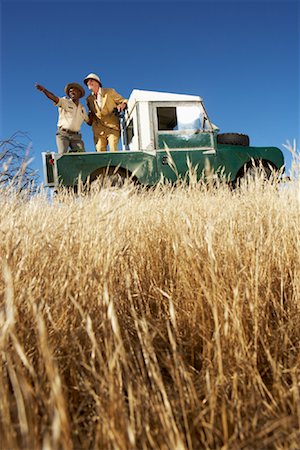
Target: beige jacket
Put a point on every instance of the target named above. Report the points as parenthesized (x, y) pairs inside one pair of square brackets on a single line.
[(105, 115)]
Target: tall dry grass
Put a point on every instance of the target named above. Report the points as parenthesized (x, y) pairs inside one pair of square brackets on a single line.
[(167, 319)]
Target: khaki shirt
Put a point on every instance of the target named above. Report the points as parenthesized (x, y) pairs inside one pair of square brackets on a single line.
[(70, 116), (104, 115)]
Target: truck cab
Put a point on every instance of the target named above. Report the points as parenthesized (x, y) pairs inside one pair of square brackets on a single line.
[(163, 136), (157, 119), (171, 127)]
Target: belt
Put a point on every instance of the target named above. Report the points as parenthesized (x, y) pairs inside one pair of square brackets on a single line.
[(68, 131)]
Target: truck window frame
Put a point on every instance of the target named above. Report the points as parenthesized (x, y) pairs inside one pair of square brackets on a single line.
[(156, 131), (133, 117)]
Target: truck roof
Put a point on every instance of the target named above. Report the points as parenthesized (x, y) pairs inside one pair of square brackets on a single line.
[(138, 95)]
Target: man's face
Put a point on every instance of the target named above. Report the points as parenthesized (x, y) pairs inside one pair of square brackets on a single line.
[(93, 85), (74, 93)]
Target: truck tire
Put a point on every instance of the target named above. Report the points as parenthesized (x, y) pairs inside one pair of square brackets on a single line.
[(233, 139), (117, 180), (261, 169), (254, 170), (110, 177)]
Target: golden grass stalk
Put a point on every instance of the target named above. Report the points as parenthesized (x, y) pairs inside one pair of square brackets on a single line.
[(165, 319)]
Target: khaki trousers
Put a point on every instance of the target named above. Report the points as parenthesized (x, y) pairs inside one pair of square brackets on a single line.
[(104, 136), (66, 140)]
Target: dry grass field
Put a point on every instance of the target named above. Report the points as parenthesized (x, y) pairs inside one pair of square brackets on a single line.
[(163, 319)]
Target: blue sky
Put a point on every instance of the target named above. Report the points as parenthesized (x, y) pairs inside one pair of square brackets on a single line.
[(241, 57)]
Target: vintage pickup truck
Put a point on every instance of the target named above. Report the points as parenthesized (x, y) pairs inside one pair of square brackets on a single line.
[(163, 136)]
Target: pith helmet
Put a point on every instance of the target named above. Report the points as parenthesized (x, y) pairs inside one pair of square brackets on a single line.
[(74, 85), (92, 76)]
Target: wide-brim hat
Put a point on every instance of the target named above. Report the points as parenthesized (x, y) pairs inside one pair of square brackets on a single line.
[(74, 85), (92, 76)]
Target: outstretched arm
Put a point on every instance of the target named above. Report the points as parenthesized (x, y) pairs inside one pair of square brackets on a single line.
[(48, 94)]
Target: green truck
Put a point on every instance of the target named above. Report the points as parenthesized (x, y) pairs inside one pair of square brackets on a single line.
[(164, 135)]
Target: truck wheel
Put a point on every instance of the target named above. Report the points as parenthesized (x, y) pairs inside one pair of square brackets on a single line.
[(109, 177), (233, 139), (256, 170), (116, 180), (263, 171)]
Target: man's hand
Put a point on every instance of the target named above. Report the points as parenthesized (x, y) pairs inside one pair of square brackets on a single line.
[(48, 94), (40, 87), (90, 116), (122, 106)]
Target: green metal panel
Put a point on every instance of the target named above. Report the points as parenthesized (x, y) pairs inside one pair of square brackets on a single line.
[(182, 140), (174, 164), (233, 157), (148, 168), (227, 161), (71, 166)]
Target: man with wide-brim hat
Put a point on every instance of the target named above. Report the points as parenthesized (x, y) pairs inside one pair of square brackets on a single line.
[(76, 86), (102, 105), (71, 115)]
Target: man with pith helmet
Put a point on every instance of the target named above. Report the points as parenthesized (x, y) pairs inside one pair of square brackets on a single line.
[(71, 115), (101, 105)]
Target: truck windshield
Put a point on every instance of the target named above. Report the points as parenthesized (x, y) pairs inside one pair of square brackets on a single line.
[(188, 117)]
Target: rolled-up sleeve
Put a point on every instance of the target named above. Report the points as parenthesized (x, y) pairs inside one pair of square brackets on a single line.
[(62, 103)]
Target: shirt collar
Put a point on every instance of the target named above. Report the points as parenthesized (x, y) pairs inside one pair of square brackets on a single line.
[(99, 92)]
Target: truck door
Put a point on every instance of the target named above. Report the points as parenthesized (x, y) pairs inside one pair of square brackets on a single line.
[(184, 137)]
